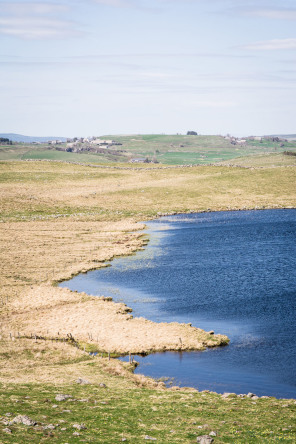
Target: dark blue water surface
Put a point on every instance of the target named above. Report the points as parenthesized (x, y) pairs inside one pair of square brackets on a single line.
[(233, 272)]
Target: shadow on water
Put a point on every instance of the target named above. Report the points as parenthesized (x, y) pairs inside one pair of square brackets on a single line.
[(233, 272)]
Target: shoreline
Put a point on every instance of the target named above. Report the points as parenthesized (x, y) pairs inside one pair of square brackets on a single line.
[(76, 218), (165, 349)]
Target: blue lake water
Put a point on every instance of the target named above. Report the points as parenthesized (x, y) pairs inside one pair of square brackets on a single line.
[(233, 272)]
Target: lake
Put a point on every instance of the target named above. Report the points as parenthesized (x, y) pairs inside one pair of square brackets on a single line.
[(233, 272)]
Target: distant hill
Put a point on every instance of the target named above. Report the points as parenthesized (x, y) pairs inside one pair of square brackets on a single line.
[(29, 139)]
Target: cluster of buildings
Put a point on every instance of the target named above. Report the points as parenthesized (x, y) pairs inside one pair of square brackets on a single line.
[(92, 142)]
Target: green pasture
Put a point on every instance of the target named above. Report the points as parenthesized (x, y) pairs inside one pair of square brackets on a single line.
[(111, 414), (165, 149)]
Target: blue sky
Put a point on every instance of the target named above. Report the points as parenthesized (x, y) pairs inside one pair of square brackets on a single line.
[(94, 67)]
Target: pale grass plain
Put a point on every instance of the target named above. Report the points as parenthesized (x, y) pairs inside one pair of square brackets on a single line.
[(59, 219)]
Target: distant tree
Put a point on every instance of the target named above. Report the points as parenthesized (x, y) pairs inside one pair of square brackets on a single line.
[(6, 141), (191, 133)]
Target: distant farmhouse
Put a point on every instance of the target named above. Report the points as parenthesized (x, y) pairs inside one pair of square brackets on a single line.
[(105, 143)]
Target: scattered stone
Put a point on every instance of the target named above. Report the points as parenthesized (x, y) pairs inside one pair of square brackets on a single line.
[(63, 429), (49, 427), (7, 414), (211, 332), (23, 419), (61, 397), (150, 437), (79, 426), (213, 433), (5, 422), (82, 381), (66, 411), (250, 395), (76, 434), (102, 385), (123, 439), (54, 406), (228, 395), (7, 430), (204, 439)]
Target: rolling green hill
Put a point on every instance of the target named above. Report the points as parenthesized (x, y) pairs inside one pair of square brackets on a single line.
[(158, 148)]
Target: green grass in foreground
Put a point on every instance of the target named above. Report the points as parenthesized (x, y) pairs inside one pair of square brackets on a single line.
[(111, 415)]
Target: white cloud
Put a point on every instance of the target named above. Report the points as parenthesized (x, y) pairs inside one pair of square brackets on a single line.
[(31, 20), (31, 8), (35, 28), (276, 14), (116, 3), (272, 45), (214, 104)]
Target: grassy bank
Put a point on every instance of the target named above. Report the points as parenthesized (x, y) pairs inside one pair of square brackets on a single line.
[(60, 219)]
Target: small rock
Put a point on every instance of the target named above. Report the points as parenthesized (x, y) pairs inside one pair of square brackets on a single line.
[(66, 411), (211, 332), (102, 385), (250, 395), (54, 406), (7, 414), (61, 397), (204, 439), (76, 434), (7, 430), (23, 419), (79, 426), (228, 395), (83, 400), (150, 437), (49, 427), (213, 433), (63, 429), (123, 439), (82, 381)]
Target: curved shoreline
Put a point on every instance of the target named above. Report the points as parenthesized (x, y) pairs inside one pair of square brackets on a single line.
[(48, 310)]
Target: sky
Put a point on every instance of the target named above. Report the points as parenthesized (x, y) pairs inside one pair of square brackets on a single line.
[(97, 67)]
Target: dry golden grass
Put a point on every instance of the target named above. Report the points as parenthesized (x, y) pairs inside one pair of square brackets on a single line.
[(61, 219)]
